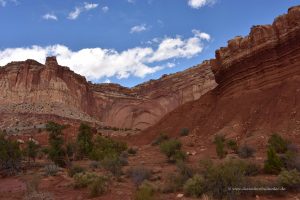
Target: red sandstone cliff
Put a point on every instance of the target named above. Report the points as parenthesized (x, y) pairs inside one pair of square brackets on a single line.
[(258, 88), (32, 88)]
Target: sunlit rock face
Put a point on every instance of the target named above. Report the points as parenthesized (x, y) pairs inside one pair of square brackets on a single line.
[(31, 87)]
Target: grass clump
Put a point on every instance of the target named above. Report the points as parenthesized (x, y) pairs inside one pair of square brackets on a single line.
[(289, 179), (145, 192), (195, 186), (82, 180), (98, 187)]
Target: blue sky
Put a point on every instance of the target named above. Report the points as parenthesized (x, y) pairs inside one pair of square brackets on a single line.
[(127, 41)]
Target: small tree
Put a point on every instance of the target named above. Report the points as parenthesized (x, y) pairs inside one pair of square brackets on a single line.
[(31, 150), (278, 143), (57, 151), (220, 146), (10, 155), (273, 164), (84, 140)]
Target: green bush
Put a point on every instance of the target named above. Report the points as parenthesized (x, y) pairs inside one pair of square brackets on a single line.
[(170, 147), (289, 179), (145, 192), (195, 186), (161, 138), (51, 170), (75, 170), (84, 140), (31, 150), (184, 132), (220, 178), (139, 174), (106, 147), (278, 143), (273, 164), (10, 156), (82, 180), (246, 151), (231, 144), (220, 146), (56, 150), (98, 187), (178, 156)]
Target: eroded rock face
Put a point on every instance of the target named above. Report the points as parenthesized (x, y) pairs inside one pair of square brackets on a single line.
[(258, 90), (30, 87)]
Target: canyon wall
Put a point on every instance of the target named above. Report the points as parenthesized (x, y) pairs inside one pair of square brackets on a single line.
[(258, 90), (30, 87)]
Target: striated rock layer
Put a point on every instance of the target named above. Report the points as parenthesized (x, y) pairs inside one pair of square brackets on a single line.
[(30, 87), (258, 88)]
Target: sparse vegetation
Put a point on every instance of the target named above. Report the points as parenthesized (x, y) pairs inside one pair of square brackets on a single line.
[(246, 151), (232, 145), (75, 170), (10, 156), (145, 192), (84, 140), (31, 150), (278, 143), (56, 150), (184, 132), (113, 164), (195, 186), (98, 186), (51, 170), (289, 179), (83, 180), (139, 174), (171, 148), (273, 164), (161, 138), (220, 146)]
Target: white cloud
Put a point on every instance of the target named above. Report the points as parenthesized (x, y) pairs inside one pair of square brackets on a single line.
[(99, 63), (107, 81), (49, 16), (90, 6), (200, 3), (78, 10), (139, 28), (105, 9), (2, 3)]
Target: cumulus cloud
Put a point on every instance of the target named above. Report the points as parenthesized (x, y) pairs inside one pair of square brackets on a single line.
[(78, 10), (105, 9), (200, 3), (3, 3), (49, 16), (99, 63), (139, 28)]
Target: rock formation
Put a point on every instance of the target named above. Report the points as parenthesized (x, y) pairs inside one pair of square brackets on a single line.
[(30, 87), (258, 90)]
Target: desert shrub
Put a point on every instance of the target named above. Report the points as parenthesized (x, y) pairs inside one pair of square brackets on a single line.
[(291, 158), (220, 146), (184, 132), (56, 151), (251, 169), (246, 151), (289, 179), (220, 178), (173, 182), (161, 138), (195, 186), (84, 140), (178, 156), (278, 143), (95, 164), (106, 147), (75, 170), (139, 174), (71, 149), (132, 151), (10, 156), (232, 144), (31, 150), (51, 170), (113, 164), (273, 164), (98, 187), (145, 192), (82, 180), (170, 147)]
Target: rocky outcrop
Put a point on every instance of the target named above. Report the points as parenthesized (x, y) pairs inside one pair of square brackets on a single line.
[(258, 88), (30, 87)]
